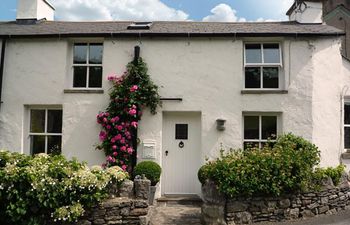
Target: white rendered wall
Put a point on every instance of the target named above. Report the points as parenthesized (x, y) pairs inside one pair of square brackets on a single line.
[(206, 73), (312, 13)]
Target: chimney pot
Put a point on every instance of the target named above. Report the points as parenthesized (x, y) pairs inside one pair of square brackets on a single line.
[(306, 11)]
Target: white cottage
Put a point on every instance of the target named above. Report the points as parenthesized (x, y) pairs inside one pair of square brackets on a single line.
[(222, 84)]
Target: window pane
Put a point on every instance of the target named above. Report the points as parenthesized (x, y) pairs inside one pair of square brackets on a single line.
[(181, 131), (251, 127), (347, 137), (54, 145), (270, 77), (37, 144), (95, 76), (54, 124), (37, 121), (95, 53), (271, 53), (79, 79), (269, 127), (80, 53), (253, 53), (252, 77), (347, 113)]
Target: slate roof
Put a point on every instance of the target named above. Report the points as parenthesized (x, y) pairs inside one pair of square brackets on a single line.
[(167, 29)]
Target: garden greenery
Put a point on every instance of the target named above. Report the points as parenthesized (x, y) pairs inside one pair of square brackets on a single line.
[(34, 189), (150, 169), (286, 166), (131, 92), (334, 173)]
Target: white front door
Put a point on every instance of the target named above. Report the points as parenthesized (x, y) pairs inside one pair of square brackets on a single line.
[(181, 153)]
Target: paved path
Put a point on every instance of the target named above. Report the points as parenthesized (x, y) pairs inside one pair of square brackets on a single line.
[(341, 218), (176, 215), (190, 215)]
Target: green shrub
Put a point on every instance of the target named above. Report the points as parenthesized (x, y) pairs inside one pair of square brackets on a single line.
[(285, 167), (150, 169), (334, 173), (203, 173), (35, 189)]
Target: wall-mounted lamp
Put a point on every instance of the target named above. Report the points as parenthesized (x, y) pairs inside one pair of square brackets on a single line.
[(220, 124)]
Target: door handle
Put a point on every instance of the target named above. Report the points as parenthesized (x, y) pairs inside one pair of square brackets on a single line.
[(166, 153)]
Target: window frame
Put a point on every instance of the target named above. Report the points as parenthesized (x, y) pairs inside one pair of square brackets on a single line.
[(87, 65), (260, 115), (46, 134), (346, 101), (262, 65)]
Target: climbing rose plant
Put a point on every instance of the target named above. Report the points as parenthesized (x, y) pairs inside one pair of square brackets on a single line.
[(130, 94)]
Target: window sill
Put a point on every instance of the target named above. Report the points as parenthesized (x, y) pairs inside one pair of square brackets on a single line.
[(345, 155), (264, 92), (83, 91)]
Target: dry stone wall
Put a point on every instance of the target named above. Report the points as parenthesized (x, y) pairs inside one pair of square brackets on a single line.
[(218, 210), (127, 204)]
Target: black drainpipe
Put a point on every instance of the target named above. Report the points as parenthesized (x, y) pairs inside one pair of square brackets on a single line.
[(2, 61)]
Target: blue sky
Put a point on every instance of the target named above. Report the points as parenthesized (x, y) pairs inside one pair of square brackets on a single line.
[(198, 10)]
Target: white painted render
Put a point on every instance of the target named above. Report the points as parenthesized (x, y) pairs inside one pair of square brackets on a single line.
[(207, 73), (34, 9), (311, 12)]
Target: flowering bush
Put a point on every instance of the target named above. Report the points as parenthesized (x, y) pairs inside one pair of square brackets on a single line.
[(33, 189), (130, 93), (286, 166)]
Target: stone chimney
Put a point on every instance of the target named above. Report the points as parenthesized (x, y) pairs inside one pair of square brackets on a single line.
[(34, 10), (306, 11)]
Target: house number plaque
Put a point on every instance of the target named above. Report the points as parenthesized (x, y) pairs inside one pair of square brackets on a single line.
[(181, 144)]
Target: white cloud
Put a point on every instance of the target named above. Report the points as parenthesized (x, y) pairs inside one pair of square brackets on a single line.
[(223, 13), (138, 10)]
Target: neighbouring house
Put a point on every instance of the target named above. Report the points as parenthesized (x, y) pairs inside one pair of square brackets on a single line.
[(337, 13), (222, 85)]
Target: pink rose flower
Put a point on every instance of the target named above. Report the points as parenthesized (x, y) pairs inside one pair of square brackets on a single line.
[(105, 120), (132, 112), (114, 147), (111, 77), (115, 153), (122, 141), (102, 136), (130, 150), (123, 148), (113, 140), (134, 124), (118, 137), (134, 88), (119, 127), (109, 127), (124, 167)]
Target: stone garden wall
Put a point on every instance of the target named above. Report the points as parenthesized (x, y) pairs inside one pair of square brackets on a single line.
[(127, 204), (217, 210)]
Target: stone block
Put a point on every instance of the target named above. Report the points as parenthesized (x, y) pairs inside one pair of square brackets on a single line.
[(236, 206), (243, 218), (138, 212), (213, 214), (323, 209), (142, 188), (126, 189), (307, 213), (211, 194), (284, 203)]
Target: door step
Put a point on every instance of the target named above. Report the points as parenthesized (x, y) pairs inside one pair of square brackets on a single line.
[(171, 200)]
